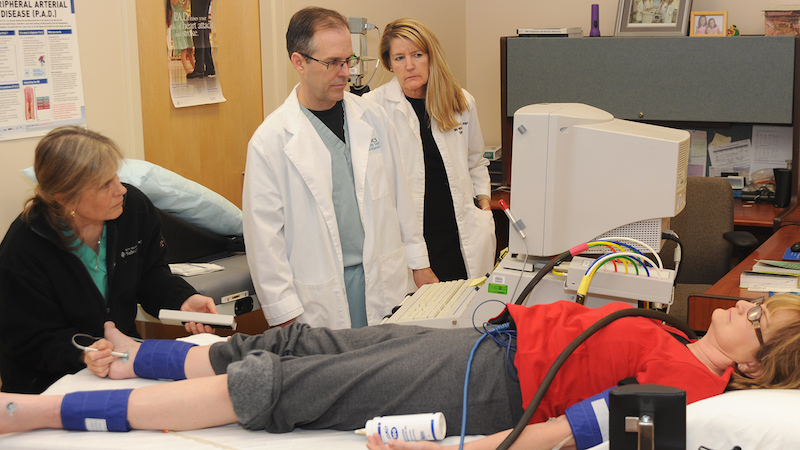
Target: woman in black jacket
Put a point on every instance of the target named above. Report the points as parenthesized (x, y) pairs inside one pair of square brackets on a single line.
[(86, 249)]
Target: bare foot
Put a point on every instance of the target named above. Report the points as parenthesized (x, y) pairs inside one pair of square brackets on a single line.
[(23, 412), (121, 368)]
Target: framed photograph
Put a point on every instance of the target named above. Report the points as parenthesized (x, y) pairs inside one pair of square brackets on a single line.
[(709, 23), (653, 17)]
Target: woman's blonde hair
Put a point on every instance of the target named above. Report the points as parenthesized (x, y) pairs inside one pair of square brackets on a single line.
[(780, 356), (67, 161), (444, 97)]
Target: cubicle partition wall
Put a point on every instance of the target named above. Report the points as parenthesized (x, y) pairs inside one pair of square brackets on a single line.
[(673, 81)]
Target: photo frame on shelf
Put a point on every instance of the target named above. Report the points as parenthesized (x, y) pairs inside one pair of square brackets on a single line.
[(653, 17), (708, 24)]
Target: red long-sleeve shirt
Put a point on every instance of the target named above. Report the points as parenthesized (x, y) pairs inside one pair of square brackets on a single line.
[(629, 347)]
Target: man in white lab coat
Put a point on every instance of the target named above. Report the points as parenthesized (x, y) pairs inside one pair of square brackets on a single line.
[(329, 224)]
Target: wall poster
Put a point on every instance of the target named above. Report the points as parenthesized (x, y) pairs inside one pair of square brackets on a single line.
[(191, 39), (40, 72)]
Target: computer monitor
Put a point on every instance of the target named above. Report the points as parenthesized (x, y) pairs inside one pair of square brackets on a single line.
[(579, 173)]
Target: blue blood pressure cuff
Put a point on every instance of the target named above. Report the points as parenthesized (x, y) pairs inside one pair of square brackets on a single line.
[(589, 420), (96, 410), (161, 359)]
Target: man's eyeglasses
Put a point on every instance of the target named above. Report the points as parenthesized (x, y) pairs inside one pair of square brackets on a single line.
[(754, 316), (337, 64)]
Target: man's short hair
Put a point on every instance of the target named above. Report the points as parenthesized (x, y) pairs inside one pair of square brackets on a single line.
[(306, 22)]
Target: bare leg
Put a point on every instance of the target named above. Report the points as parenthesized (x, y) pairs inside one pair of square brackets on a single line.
[(22, 412), (197, 363), (182, 405), (187, 65), (171, 406)]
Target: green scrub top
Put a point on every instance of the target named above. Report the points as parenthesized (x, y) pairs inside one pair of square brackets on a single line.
[(348, 218), (95, 263)]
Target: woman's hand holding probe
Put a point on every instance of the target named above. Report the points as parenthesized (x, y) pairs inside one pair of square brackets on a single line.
[(117, 365), (99, 361), (202, 304)]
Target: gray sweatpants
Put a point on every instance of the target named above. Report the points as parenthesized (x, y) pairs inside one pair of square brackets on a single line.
[(315, 378)]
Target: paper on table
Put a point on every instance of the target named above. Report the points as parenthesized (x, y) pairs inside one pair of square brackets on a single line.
[(191, 269)]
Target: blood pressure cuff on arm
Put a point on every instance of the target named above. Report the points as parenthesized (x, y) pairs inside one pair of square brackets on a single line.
[(589, 420)]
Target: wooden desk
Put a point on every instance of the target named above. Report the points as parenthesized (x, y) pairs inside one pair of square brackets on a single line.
[(752, 214), (701, 307), (500, 219), (792, 214), (500, 195), (773, 248)]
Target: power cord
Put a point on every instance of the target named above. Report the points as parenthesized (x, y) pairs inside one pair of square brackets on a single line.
[(678, 254)]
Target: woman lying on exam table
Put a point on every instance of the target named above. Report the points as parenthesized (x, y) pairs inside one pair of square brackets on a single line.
[(86, 249), (318, 378), (442, 151)]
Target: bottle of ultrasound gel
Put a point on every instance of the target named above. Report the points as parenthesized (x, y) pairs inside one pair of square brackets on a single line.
[(408, 427)]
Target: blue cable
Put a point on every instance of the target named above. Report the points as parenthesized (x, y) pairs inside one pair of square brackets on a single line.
[(500, 329), (506, 342), (479, 307)]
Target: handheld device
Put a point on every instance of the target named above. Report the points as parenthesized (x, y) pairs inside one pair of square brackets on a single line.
[(173, 317)]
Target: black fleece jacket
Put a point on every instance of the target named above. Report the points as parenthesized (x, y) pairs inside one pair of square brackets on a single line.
[(47, 295)]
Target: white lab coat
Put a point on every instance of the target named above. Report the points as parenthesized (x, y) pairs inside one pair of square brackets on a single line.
[(467, 171), (290, 227)]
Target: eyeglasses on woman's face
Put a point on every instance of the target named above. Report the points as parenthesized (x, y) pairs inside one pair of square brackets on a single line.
[(754, 316), (337, 64)]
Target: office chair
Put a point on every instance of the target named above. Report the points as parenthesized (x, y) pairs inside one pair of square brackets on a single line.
[(705, 228)]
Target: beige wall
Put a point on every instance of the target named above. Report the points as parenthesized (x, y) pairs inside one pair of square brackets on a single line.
[(447, 18)]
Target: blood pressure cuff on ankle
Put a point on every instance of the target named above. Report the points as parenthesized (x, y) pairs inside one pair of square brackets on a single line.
[(161, 359), (589, 420), (96, 410)]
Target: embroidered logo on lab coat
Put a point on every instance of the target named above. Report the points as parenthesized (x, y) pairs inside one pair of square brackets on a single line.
[(460, 129), (374, 144)]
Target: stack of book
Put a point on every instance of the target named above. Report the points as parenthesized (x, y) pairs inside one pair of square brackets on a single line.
[(774, 276)]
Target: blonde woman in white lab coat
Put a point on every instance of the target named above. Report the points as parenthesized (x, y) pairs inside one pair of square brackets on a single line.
[(441, 147)]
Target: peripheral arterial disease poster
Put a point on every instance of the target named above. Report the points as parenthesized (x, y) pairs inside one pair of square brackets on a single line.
[(40, 73)]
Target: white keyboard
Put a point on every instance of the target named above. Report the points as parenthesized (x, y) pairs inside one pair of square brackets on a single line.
[(432, 301)]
